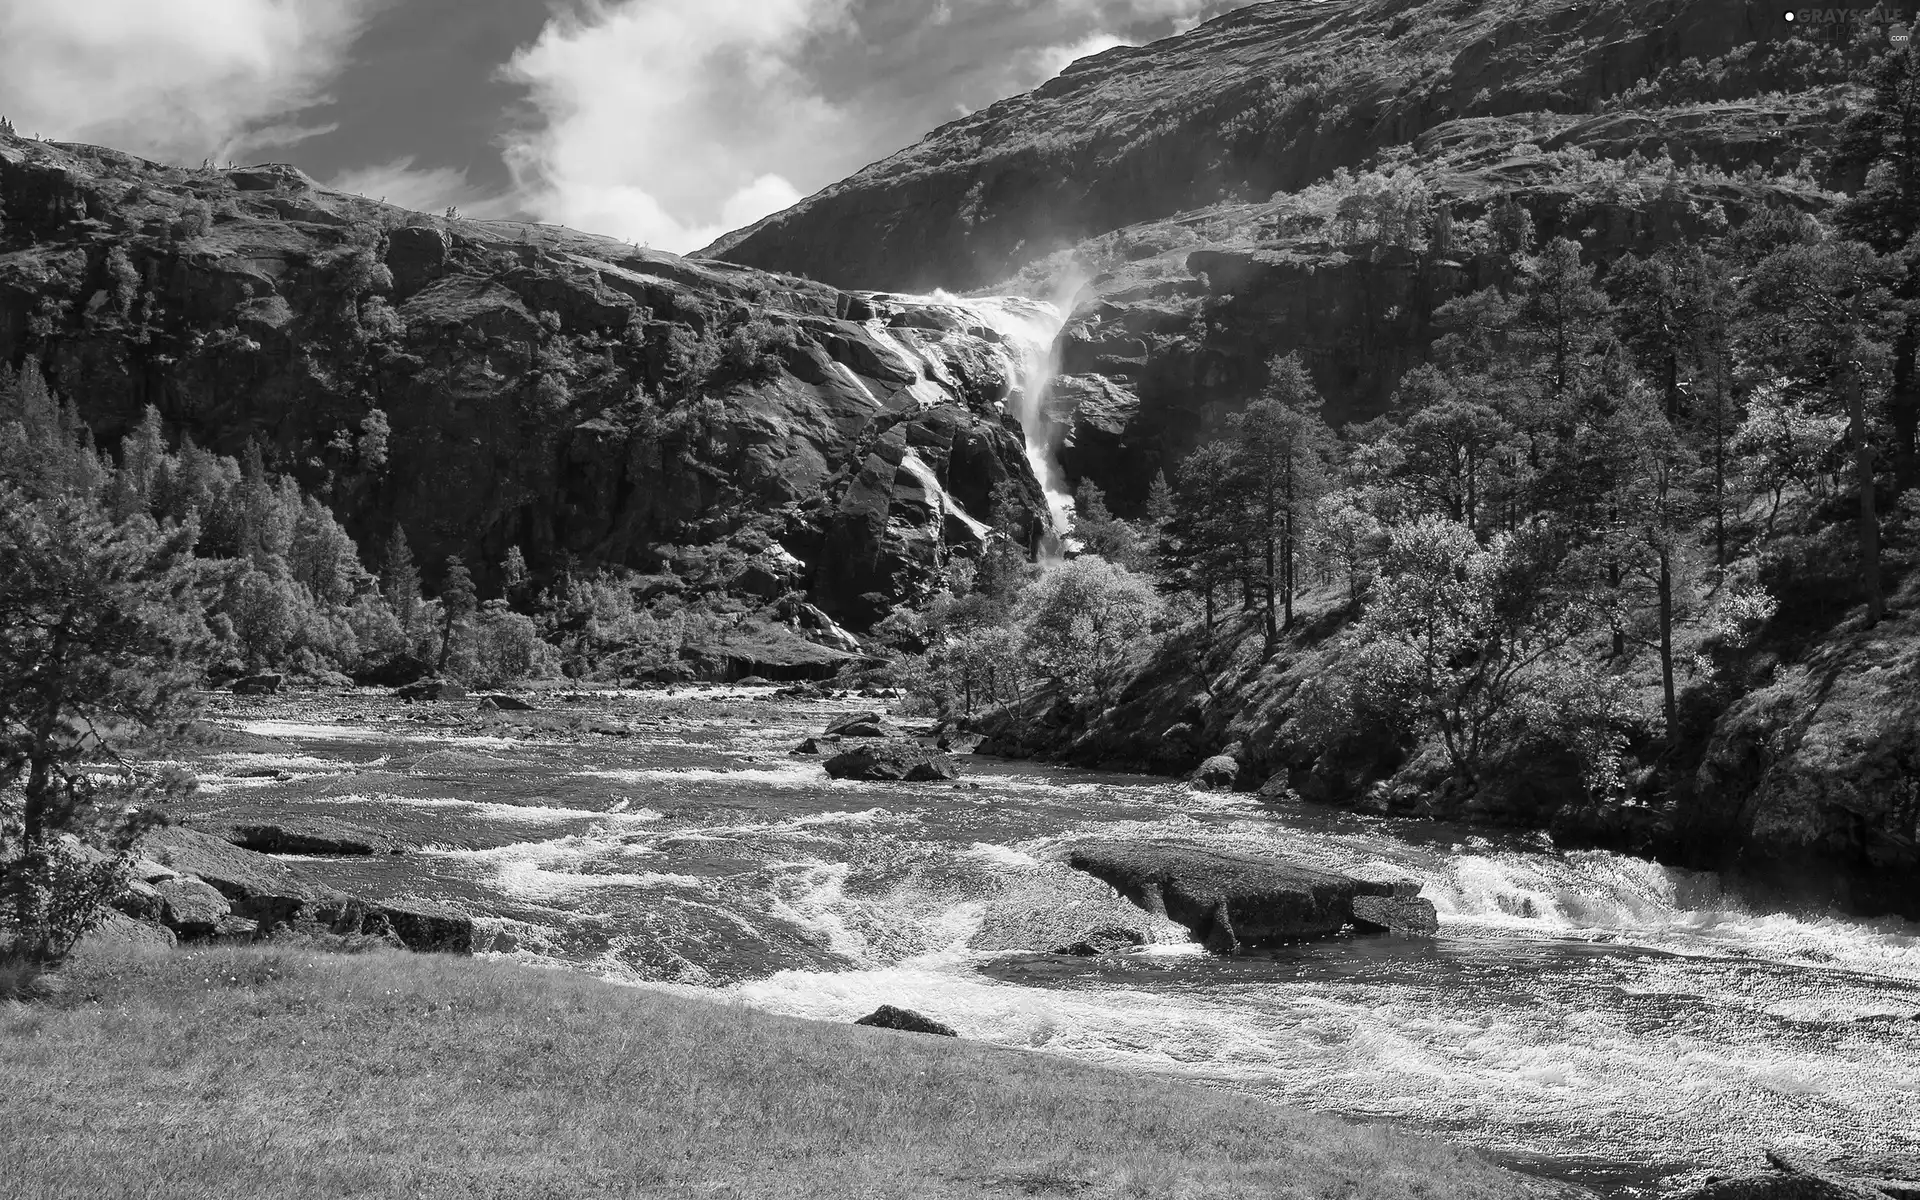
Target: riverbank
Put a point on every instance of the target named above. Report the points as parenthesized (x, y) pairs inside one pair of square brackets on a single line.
[(277, 1072)]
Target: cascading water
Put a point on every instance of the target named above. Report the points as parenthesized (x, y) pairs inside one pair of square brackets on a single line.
[(1028, 330)]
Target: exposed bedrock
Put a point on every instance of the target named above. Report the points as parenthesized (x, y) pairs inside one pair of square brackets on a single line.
[(571, 395), (1232, 901)]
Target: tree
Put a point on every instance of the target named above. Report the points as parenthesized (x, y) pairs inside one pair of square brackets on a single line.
[(1822, 315), (1281, 450), (1880, 144), (400, 578), (1456, 634), (101, 637), (1099, 531), (1082, 621), (1447, 453), (1200, 544), (458, 600)]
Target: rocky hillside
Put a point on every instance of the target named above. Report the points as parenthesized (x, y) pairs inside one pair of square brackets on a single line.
[(490, 385), (1275, 96)]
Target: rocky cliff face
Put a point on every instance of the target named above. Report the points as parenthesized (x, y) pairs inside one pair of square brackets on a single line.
[(1275, 96), (585, 400)]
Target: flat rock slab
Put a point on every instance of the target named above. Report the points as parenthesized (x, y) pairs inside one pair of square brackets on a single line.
[(1227, 900), (305, 835)]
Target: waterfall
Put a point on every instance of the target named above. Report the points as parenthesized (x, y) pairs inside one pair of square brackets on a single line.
[(1029, 331)]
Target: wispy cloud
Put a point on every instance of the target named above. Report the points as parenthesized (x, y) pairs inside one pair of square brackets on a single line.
[(171, 79)]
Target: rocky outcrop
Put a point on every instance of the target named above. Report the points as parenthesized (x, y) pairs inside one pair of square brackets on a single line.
[(1811, 783), (430, 690), (905, 1020), (890, 762), (863, 725), (1230, 901), (256, 685), (1217, 774), (304, 835), (569, 395), (1270, 98)]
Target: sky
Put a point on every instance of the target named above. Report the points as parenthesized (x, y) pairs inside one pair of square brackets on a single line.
[(663, 122)]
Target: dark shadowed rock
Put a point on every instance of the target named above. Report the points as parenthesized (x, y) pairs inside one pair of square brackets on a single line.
[(817, 745), (422, 927), (907, 762), (430, 690), (905, 1020), (256, 685), (1218, 774), (1226, 900), (510, 704), (306, 835), (960, 743), (190, 907), (863, 725), (1413, 915)]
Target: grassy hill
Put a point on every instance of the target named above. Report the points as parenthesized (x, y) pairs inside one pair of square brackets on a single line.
[(273, 1072)]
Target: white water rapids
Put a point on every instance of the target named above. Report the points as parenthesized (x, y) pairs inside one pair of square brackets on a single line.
[(1587, 1015)]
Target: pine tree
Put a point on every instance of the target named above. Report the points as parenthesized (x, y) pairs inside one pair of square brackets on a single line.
[(1281, 449), (400, 578), (100, 630), (458, 599)]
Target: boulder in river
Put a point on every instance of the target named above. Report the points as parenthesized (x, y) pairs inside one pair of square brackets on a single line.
[(1796, 1179), (905, 1020), (817, 745), (1412, 914), (1225, 899), (430, 689), (510, 704), (256, 685), (863, 725), (1218, 773), (907, 762)]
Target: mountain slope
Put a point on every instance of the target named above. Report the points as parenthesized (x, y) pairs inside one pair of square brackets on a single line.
[(583, 400), (1271, 98)]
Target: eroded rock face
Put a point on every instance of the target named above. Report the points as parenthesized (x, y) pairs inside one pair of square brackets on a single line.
[(545, 389)]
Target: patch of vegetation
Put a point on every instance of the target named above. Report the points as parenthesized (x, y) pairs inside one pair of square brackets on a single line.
[(491, 1079)]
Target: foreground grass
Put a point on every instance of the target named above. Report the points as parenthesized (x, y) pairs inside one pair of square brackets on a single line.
[(279, 1073)]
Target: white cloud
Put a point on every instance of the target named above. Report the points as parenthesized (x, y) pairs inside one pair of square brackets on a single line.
[(177, 80), (669, 122), (1052, 60)]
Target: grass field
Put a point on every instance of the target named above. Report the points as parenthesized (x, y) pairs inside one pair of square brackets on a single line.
[(278, 1073)]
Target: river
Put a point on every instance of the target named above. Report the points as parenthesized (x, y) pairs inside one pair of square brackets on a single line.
[(1583, 1015)]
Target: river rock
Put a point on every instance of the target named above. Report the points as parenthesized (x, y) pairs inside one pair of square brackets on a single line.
[(1218, 773), (863, 725), (258, 887), (907, 762), (430, 689), (422, 927), (1413, 915), (256, 685), (819, 745), (510, 704), (906, 1020), (191, 908), (1225, 899), (317, 835), (960, 743)]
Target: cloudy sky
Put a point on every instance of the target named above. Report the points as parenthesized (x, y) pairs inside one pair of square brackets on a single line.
[(667, 122)]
